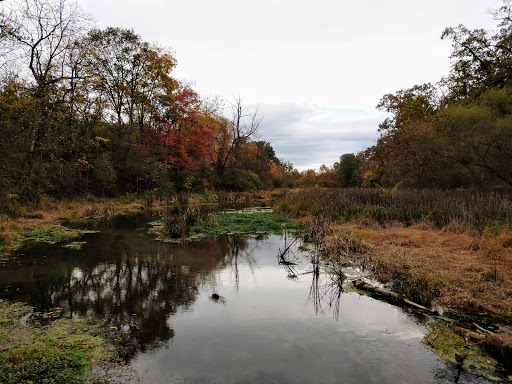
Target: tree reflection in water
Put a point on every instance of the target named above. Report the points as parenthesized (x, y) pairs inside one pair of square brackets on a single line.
[(132, 282), (326, 286), (326, 289)]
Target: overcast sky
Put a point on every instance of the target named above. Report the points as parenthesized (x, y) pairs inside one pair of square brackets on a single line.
[(315, 68)]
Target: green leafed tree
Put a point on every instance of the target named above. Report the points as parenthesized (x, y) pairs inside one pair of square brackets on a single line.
[(348, 170)]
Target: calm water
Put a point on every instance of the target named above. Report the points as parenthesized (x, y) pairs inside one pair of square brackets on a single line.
[(266, 327)]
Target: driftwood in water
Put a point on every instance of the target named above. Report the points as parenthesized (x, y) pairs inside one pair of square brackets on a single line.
[(360, 284), (281, 254)]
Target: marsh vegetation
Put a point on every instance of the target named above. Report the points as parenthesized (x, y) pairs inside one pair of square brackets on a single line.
[(276, 296)]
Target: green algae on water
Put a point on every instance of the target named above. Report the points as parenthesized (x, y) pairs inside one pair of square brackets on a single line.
[(75, 245), (249, 222), (64, 351), (245, 223), (448, 345), (53, 234)]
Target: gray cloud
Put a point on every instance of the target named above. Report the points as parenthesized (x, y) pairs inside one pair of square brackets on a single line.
[(310, 136)]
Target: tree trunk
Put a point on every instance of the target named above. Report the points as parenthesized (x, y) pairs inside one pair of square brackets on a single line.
[(359, 284)]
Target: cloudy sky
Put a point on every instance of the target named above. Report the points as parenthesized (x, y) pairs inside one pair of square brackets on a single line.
[(315, 68)]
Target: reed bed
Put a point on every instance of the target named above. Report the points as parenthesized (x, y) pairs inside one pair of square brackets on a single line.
[(488, 210)]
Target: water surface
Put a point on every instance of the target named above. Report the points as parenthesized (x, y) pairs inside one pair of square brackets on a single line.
[(268, 326)]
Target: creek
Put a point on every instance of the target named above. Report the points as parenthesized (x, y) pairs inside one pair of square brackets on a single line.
[(270, 324)]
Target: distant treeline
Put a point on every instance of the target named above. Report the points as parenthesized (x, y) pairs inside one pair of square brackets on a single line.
[(89, 111), (455, 134)]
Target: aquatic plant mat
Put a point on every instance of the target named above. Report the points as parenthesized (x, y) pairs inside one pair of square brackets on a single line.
[(257, 221), (246, 223), (467, 355), (53, 234), (60, 351)]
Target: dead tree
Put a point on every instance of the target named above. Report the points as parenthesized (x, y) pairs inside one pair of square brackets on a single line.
[(242, 128)]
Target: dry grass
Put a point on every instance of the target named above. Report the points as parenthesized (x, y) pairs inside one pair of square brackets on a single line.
[(49, 212), (473, 272), (485, 211), (500, 343)]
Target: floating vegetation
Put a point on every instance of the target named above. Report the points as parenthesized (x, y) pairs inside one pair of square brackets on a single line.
[(53, 234), (64, 351), (246, 223), (75, 245), (188, 224), (469, 356)]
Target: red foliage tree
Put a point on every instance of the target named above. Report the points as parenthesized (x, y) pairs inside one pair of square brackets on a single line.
[(181, 141)]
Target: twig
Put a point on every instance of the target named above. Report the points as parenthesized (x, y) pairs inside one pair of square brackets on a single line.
[(482, 329)]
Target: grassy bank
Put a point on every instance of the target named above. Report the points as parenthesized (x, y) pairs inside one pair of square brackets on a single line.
[(44, 221), (464, 273), (64, 351), (451, 249)]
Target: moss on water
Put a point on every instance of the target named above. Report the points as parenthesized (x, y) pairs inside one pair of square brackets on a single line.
[(245, 223), (239, 223), (64, 351), (75, 245), (447, 345), (53, 234)]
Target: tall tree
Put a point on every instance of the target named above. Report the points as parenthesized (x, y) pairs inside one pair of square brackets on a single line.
[(481, 59), (134, 77), (478, 137), (348, 170), (41, 36)]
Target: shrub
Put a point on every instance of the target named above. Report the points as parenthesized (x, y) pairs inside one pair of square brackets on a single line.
[(277, 183), (421, 287), (247, 180)]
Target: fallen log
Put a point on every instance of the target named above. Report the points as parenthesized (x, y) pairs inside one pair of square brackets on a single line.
[(360, 284), (494, 342), (467, 334)]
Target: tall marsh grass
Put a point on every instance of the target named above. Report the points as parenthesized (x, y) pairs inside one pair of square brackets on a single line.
[(407, 206), (181, 216)]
